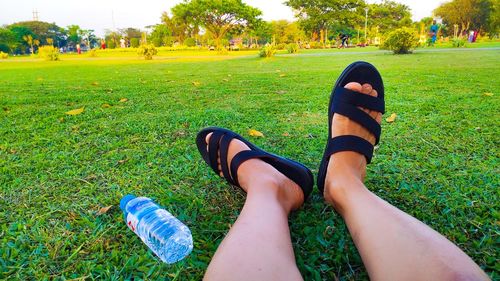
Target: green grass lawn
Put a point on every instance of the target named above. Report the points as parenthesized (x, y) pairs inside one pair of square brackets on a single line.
[(439, 161)]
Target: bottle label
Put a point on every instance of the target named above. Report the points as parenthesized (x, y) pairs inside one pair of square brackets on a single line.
[(132, 222)]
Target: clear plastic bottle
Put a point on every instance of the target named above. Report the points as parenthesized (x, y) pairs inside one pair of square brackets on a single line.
[(163, 233)]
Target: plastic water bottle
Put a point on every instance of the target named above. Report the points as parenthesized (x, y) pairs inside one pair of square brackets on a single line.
[(163, 233)]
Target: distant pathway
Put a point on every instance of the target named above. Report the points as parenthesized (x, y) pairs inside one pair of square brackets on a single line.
[(324, 54)]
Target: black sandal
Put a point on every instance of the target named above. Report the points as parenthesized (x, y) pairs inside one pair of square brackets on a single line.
[(345, 102), (220, 140)]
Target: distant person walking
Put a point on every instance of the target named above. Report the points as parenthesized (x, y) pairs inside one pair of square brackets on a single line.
[(122, 43), (78, 49), (103, 44), (471, 36), (434, 31), (344, 38)]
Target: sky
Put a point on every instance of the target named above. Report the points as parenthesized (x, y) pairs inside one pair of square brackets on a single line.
[(100, 15)]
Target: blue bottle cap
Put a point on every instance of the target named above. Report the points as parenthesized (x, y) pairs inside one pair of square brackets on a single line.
[(125, 200)]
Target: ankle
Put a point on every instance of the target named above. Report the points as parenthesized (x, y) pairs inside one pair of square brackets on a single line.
[(345, 181)]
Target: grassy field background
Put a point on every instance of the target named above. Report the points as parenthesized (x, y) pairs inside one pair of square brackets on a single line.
[(439, 161)]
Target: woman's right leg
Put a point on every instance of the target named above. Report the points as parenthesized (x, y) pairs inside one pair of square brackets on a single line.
[(392, 244)]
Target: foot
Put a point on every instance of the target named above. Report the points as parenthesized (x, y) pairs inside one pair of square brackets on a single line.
[(255, 175), (346, 166)]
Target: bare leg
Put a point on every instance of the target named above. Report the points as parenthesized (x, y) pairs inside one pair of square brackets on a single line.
[(392, 244), (258, 246)]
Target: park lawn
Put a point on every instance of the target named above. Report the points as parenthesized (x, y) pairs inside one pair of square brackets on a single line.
[(438, 161)]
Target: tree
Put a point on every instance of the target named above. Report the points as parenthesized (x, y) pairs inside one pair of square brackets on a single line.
[(30, 41), (112, 38), (262, 33), (43, 30), (87, 35), (8, 42), (160, 35), (19, 33), (318, 16), (219, 17), (131, 33), (284, 31), (177, 27), (389, 15), (74, 32), (469, 14)]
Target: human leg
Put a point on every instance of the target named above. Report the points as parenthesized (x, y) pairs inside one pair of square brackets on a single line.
[(392, 244), (258, 245)]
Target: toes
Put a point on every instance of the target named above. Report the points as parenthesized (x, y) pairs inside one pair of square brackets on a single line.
[(207, 138), (367, 89), (354, 86)]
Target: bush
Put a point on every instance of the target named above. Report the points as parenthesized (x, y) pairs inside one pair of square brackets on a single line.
[(93, 53), (458, 43), (267, 51), (148, 51), (134, 42), (401, 41), (315, 45), (190, 42), (3, 55), (111, 44), (49, 53), (280, 46), (292, 48)]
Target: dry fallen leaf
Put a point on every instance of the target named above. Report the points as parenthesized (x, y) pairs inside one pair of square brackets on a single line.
[(61, 120), (391, 118), (286, 134), (106, 105), (104, 210), (76, 111), (225, 80), (488, 94), (95, 83), (196, 83), (122, 161), (280, 92), (255, 133), (282, 75), (123, 100)]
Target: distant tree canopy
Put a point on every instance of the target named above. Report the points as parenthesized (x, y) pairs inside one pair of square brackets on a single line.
[(41, 31), (319, 16), (161, 36), (8, 40), (219, 17), (389, 15), (131, 32), (323, 17), (480, 15)]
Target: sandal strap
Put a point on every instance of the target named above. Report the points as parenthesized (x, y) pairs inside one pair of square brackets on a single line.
[(223, 150), (349, 143), (358, 99), (357, 115), (213, 148), (241, 157)]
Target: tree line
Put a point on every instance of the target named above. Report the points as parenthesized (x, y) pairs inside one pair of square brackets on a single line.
[(231, 22)]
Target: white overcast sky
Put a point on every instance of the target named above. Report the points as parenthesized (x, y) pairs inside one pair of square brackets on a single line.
[(108, 14)]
